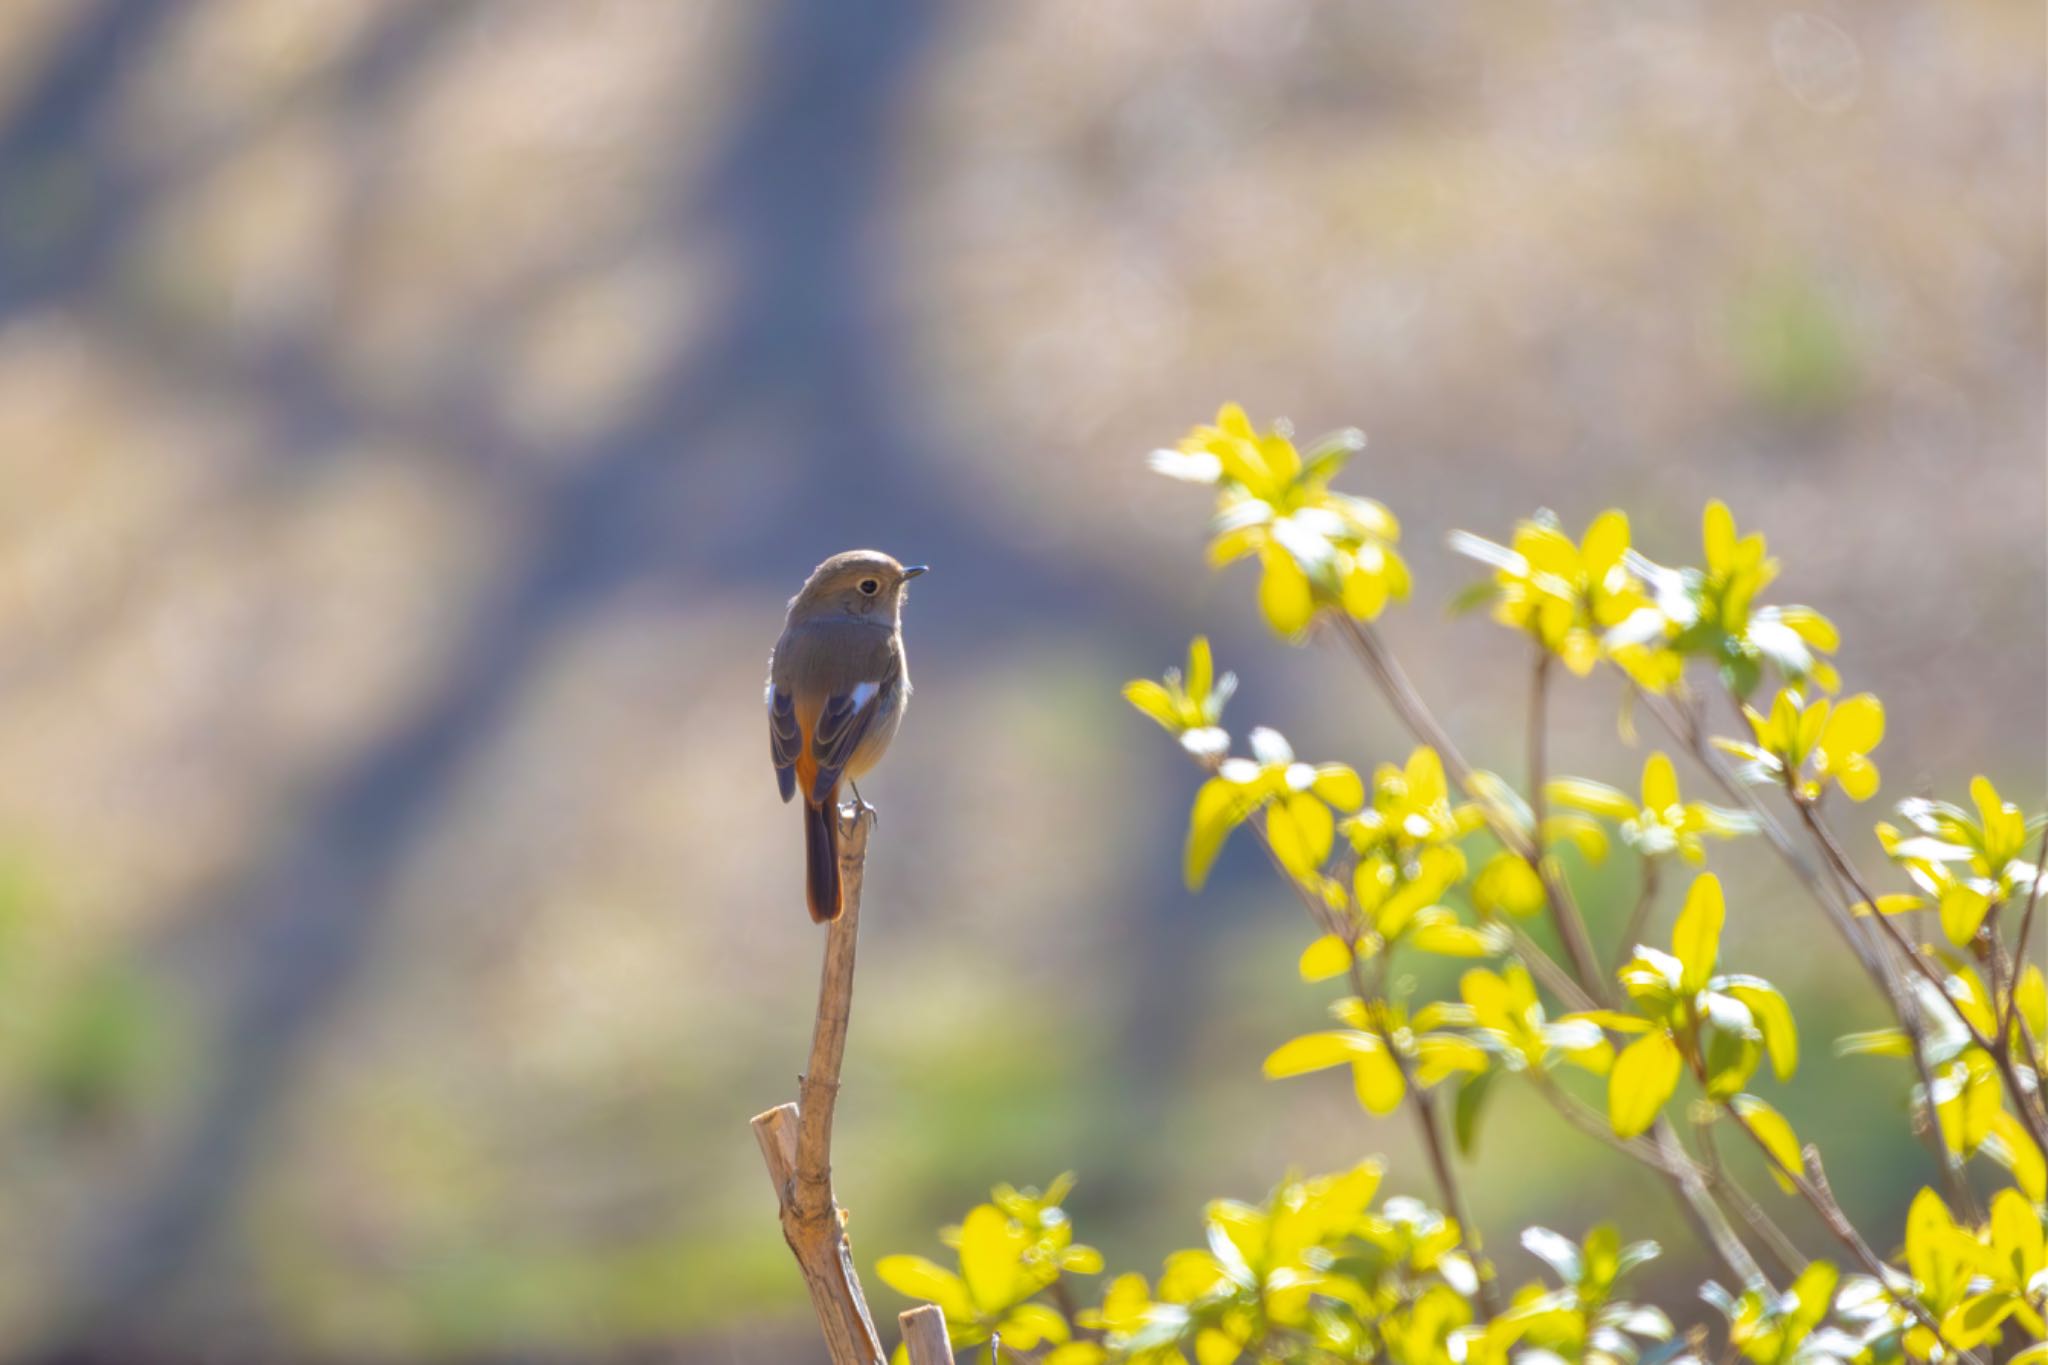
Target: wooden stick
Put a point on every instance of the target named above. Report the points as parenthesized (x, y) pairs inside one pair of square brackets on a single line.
[(924, 1335), (796, 1139)]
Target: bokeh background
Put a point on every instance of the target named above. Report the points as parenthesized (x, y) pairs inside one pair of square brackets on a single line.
[(414, 414)]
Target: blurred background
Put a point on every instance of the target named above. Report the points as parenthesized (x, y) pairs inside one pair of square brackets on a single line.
[(414, 415)]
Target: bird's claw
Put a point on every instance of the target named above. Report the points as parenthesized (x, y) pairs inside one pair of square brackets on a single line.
[(853, 812)]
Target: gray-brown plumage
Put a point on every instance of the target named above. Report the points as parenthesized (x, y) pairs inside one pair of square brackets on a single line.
[(837, 688)]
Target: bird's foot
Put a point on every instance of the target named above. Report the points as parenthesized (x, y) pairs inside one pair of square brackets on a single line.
[(852, 813)]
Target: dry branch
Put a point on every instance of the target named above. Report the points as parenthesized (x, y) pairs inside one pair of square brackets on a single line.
[(924, 1335), (796, 1139)]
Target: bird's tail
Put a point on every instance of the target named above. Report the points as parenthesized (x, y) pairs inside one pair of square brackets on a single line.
[(821, 859)]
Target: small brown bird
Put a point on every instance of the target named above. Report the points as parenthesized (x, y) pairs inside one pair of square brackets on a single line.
[(837, 688)]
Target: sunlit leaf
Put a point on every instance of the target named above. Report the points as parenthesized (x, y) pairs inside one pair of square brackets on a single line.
[(1696, 938), (1643, 1078), (1317, 1051), (1777, 1137), (1327, 957)]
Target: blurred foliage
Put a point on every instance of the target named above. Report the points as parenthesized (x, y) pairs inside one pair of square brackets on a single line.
[(1317, 1273)]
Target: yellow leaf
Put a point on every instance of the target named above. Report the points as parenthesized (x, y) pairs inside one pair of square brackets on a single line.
[(990, 1248), (1284, 594), (1897, 904), (1774, 1020), (1154, 700), (1696, 938), (1377, 1079), (1425, 776), (1219, 807), (1643, 1078), (1214, 1348), (1583, 834), (1605, 543), (2014, 1148), (1444, 1054), (1595, 798), (1201, 668), (1812, 627), (1447, 938), (1317, 1051), (914, 1277), (1660, 783), (1717, 537), (1929, 1229), (1858, 777), (1508, 885), (1300, 828), (1777, 1136), (1329, 956), (1339, 784), (1855, 726), (1364, 593), (1962, 912)]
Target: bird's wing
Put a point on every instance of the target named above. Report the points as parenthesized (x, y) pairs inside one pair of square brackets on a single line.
[(785, 739), (845, 720)]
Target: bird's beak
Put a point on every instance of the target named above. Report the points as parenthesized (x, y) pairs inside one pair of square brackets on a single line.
[(911, 571)]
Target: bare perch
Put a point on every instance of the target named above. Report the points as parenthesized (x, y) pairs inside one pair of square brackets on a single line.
[(796, 1139), (924, 1335)]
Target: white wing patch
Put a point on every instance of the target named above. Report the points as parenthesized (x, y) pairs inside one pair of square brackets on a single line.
[(863, 694)]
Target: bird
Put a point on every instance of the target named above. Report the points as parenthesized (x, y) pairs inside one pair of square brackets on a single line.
[(837, 689)]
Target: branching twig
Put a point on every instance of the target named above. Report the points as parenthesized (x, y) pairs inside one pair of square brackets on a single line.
[(1686, 727), (1590, 986), (1812, 1186), (1998, 1049), (796, 1139)]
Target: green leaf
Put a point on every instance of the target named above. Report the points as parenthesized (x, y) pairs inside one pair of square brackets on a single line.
[(1696, 938), (1643, 1078), (1730, 1061)]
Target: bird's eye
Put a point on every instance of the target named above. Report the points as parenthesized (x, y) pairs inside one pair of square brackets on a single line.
[(871, 586)]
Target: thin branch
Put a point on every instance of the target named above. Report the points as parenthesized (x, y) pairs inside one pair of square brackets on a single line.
[(1999, 1049), (1812, 1186), (796, 1139), (1638, 915), (1424, 1105), (1414, 712), (2012, 1004), (1418, 1099), (1790, 1259), (1571, 925), (1591, 985)]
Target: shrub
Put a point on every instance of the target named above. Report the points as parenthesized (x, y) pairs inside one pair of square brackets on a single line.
[(1658, 1058)]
